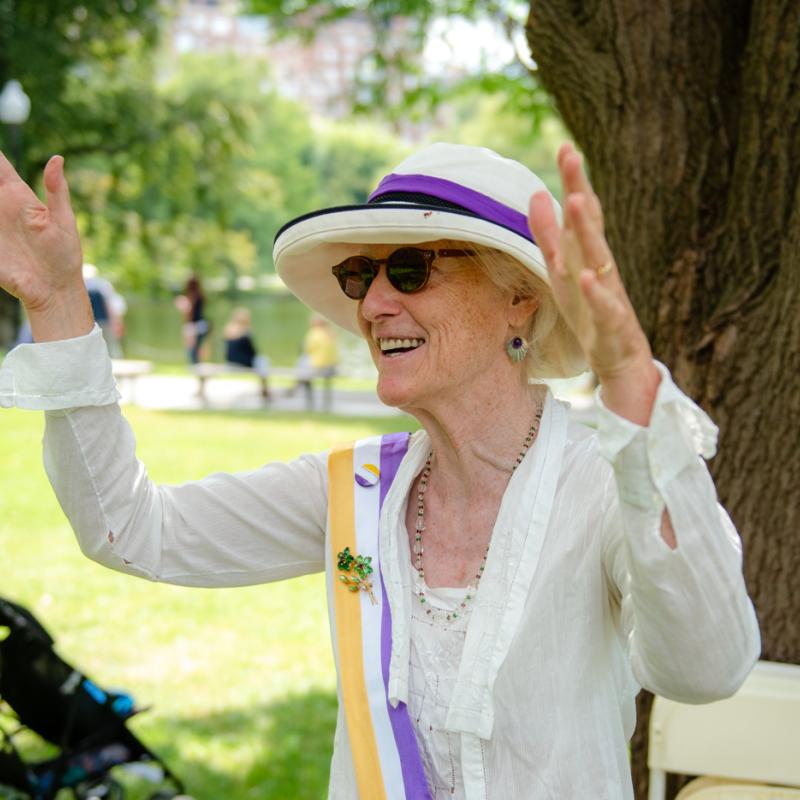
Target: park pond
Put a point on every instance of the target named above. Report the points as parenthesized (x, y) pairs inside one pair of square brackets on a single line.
[(153, 330)]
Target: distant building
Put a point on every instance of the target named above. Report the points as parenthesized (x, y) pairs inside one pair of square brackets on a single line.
[(215, 26), (322, 72)]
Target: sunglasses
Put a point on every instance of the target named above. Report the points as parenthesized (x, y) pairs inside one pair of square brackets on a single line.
[(407, 269)]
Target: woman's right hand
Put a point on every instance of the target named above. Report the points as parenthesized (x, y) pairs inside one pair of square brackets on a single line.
[(40, 254)]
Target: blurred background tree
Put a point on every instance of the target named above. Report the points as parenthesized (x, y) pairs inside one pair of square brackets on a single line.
[(177, 163), (204, 190), (42, 45)]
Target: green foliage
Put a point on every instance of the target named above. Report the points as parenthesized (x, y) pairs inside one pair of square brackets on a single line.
[(44, 45), (167, 204), (293, 13), (175, 166), (351, 158), (219, 162), (519, 95)]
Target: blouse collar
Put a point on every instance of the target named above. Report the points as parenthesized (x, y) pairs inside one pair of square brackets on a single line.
[(510, 567)]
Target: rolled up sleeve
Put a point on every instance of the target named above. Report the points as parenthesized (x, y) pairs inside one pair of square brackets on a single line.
[(690, 627), (224, 530), (53, 376)]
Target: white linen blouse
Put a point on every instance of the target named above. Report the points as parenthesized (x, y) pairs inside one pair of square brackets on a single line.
[(581, 602)]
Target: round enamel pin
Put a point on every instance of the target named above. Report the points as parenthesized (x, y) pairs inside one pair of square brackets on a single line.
[(367, 475)]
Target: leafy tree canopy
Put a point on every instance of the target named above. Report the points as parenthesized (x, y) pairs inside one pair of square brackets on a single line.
[(175, 166), (217, 163), (44, 45)]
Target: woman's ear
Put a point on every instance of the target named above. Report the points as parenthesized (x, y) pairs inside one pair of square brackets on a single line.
[(521, 308)]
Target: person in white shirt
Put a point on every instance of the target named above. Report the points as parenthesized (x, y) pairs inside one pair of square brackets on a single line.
[(108, 308), (502, 583)]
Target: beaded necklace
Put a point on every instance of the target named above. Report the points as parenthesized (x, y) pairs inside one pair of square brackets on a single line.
[(418, 549)]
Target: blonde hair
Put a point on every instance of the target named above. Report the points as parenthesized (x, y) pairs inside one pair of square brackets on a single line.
[(238, 324), (552, 345)]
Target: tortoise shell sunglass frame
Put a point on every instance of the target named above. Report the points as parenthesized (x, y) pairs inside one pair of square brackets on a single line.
[(407, 269)]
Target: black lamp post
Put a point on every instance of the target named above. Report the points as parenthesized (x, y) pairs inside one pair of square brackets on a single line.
[(15, 107)]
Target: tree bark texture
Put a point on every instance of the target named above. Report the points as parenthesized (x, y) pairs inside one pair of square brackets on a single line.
[(688, 113), (9, 320)]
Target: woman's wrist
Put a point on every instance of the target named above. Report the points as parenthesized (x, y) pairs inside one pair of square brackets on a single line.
[(66, 314), (630, 392)]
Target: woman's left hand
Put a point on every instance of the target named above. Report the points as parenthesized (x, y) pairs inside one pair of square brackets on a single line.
[(589, 293)]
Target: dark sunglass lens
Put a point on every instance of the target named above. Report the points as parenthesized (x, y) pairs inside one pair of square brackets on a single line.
[(407, 269), (355, 276)]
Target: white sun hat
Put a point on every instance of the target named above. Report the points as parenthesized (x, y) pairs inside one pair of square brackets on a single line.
[(443, 191)]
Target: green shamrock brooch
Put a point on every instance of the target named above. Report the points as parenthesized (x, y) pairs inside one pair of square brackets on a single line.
[(356, 571)]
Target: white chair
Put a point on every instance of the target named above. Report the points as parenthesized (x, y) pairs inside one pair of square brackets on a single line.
[(753, 737), (738, 791)]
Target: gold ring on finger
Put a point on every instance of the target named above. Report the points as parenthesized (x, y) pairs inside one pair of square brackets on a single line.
[(604, 269)]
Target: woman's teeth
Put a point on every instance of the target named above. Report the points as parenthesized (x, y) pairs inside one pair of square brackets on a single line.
[(387, 345)]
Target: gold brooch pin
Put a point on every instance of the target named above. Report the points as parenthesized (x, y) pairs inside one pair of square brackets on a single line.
[(357, 570)]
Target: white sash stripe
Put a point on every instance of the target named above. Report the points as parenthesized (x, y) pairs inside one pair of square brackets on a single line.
[(472, 768), (367, 520)]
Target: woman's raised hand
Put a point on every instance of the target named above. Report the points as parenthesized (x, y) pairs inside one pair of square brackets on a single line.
[(589, 292), (40, 253)]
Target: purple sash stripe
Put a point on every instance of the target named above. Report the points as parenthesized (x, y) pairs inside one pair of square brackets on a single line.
[(393, 448), (478, 203)]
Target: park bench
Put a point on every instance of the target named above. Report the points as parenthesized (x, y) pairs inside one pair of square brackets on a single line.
[(206, 370), (129, 370)]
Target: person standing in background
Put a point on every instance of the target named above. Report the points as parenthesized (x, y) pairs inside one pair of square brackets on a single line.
[(195, 325), (108, 307)]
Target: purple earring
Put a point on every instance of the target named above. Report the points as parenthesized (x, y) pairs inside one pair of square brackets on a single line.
[(517, 349)]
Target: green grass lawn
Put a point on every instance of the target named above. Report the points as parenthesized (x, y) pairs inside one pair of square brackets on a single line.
[(241, 681)]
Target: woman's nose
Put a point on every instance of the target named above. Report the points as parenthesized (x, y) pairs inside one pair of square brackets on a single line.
[(381, 299)]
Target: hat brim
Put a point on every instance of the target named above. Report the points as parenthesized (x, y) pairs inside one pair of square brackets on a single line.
[(307, 248)]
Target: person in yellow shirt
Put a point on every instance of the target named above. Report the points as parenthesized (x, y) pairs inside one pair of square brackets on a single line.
[(319, 359), (320, 346)]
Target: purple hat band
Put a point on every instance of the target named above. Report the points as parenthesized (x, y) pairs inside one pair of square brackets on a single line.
[(480, 204)]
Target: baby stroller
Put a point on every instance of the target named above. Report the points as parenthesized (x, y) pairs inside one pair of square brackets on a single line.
[(41, 693)]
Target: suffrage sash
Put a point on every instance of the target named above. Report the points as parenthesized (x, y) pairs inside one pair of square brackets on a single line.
[(388, 764)]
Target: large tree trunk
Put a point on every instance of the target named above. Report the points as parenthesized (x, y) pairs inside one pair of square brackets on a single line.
[(689, 117), (9, 320)]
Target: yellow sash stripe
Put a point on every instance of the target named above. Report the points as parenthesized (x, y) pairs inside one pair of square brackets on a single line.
[(347, 607)]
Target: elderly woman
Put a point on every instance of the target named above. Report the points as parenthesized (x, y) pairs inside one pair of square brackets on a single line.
[(502, 582)]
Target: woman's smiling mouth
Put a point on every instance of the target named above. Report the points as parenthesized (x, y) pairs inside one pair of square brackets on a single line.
[(396, 347)]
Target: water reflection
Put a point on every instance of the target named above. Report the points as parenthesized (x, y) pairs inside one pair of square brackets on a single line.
[(153, 331)]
